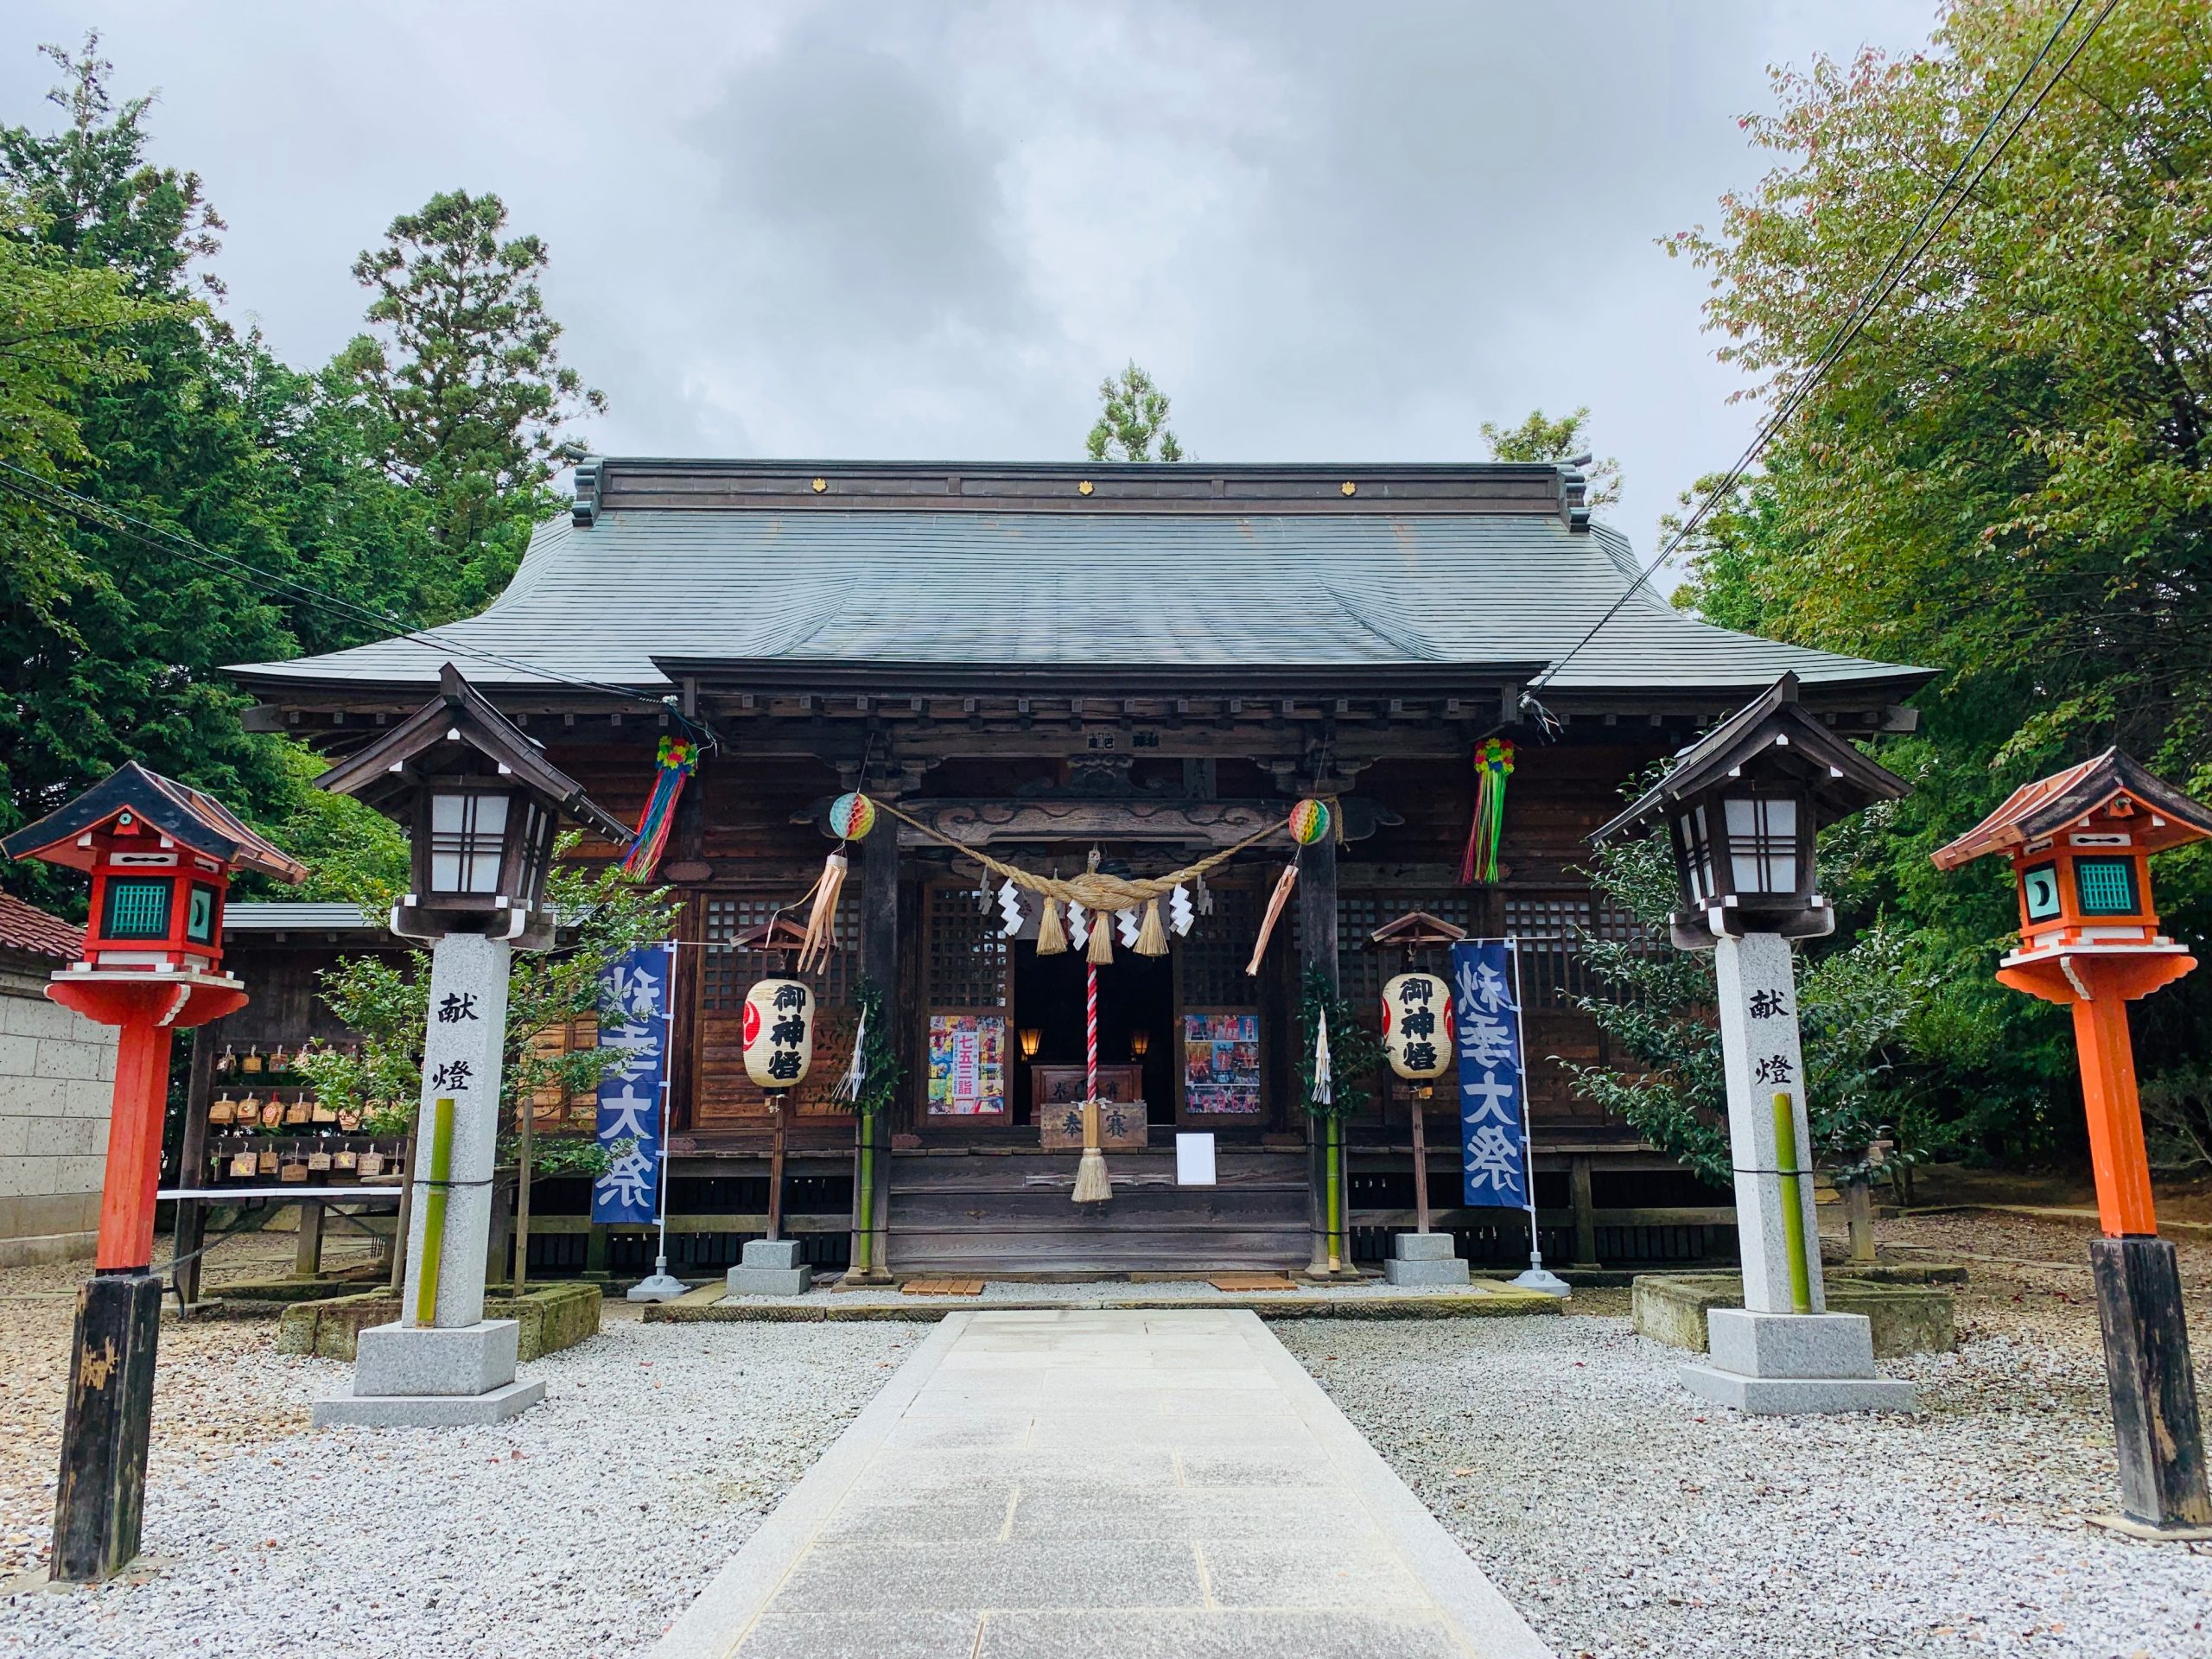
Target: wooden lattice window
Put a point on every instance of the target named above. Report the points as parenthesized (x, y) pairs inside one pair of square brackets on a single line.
[(1361, 968), (1549, 930), (967, 964), (726, 972), (552, 1106), (723, 1093), (1215, 951)]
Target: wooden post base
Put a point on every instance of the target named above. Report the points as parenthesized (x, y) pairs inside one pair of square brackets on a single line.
[(102, 1493), (2162, 1481)]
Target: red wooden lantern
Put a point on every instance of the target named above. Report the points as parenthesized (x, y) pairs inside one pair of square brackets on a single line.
[(160, 856), (2079, 842)]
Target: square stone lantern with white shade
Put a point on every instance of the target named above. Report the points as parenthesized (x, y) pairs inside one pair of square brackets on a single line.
[(1742, 806), (481, 805)]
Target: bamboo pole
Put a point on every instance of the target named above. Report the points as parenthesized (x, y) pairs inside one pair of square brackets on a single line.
[(526, 1152)]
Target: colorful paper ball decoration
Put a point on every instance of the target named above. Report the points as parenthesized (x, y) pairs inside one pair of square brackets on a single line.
[(851, 816), (1309, 822)]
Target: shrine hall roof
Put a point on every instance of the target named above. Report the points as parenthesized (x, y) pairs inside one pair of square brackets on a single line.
[(668, 566)]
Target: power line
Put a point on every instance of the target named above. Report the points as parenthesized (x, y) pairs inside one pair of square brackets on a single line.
[(1951, 197), (161, 539)]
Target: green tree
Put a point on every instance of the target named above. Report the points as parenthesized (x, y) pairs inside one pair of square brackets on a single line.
[(1855, 1003), (604, 912), (1132, 414), (464, 372), (1539, 438), (2006, 477)]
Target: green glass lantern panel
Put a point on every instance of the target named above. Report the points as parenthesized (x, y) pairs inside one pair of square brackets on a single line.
[(137, 907), (2105, 886)]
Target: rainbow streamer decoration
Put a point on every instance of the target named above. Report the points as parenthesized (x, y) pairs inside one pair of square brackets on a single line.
[(679, 757), (1493, 765)]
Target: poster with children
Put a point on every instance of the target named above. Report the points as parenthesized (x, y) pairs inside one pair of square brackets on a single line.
[(967, 1064), (1221, 1063)]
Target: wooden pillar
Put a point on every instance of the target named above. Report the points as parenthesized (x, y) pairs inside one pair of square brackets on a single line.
[(307, 1254), (1316, 948), (1586, 1211), (188, 1228), (879, 966)]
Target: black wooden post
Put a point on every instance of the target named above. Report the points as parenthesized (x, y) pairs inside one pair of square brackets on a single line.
[(879, 966), (1316, 948), (188, 1223), (102, 1494), (2162, 1478), (1583, 1203), (307, 1251)]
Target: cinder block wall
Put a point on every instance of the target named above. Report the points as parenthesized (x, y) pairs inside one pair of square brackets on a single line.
[(57, 1070)]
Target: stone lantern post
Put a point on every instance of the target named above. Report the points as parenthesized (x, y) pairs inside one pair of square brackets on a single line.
[(1742, 806), (481, 805)]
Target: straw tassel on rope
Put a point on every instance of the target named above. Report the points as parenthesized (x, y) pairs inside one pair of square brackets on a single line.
[(1051, 938), (1101, 951), (1092, 1184), (1152, 938)]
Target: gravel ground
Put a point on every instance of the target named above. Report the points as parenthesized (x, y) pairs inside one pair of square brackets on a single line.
[(581, 1528), (1623, 1516)]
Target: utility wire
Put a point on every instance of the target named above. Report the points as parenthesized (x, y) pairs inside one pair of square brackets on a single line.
[(161, 539), (1951, 198)]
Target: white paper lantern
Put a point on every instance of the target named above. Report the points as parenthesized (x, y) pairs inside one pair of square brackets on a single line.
[(1417, 1025), (779, 1034)]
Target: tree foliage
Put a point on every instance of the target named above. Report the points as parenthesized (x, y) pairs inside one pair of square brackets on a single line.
[(464, 373), (1132, 415), (121, 380), (1654, 1004), (1539, 438), (1356, 1056), (385, 1003), (2006, 477)]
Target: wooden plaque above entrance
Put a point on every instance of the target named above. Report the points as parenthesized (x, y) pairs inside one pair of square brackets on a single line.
[(980, 824)]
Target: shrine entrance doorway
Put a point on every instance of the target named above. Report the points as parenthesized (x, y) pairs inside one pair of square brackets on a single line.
[(1136, 1028)]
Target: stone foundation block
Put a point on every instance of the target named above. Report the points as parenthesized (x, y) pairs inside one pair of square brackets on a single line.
[(1421, 1260), (1793, 1396), (1795, 1345), (428, 1410), (771, 1268), (461, 1360)]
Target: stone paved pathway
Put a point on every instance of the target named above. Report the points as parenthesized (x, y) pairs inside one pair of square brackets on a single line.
[(1091, 1484)]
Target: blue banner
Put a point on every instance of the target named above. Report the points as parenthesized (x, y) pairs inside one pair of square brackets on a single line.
[(1492, 1143), (633, 1019)]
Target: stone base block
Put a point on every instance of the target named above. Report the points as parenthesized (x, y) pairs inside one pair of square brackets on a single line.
[(1423, 1247), (428, 1410), (463, 1361), (1424, 1259), (1790, 1346), (1793, 1396), (771, 1268)]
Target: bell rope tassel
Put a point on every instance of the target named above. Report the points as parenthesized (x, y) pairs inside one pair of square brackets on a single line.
[(1152, 938), (1092, 1184), (1051, 938), (1276, 900), (822, 921), (678, 757), (1100, 951)]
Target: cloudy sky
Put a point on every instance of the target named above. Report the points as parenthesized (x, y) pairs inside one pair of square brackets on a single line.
[(1347, 231)]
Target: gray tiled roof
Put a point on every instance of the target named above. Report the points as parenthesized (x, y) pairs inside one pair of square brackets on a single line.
[(257, 916), (1166, 589)]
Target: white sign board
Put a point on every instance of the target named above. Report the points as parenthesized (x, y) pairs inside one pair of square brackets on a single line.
[(1194, 1160)]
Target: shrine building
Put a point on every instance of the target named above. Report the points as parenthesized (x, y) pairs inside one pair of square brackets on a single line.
[(1152, 662)]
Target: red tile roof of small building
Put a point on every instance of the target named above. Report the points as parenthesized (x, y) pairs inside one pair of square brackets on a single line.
[(31, 930)]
